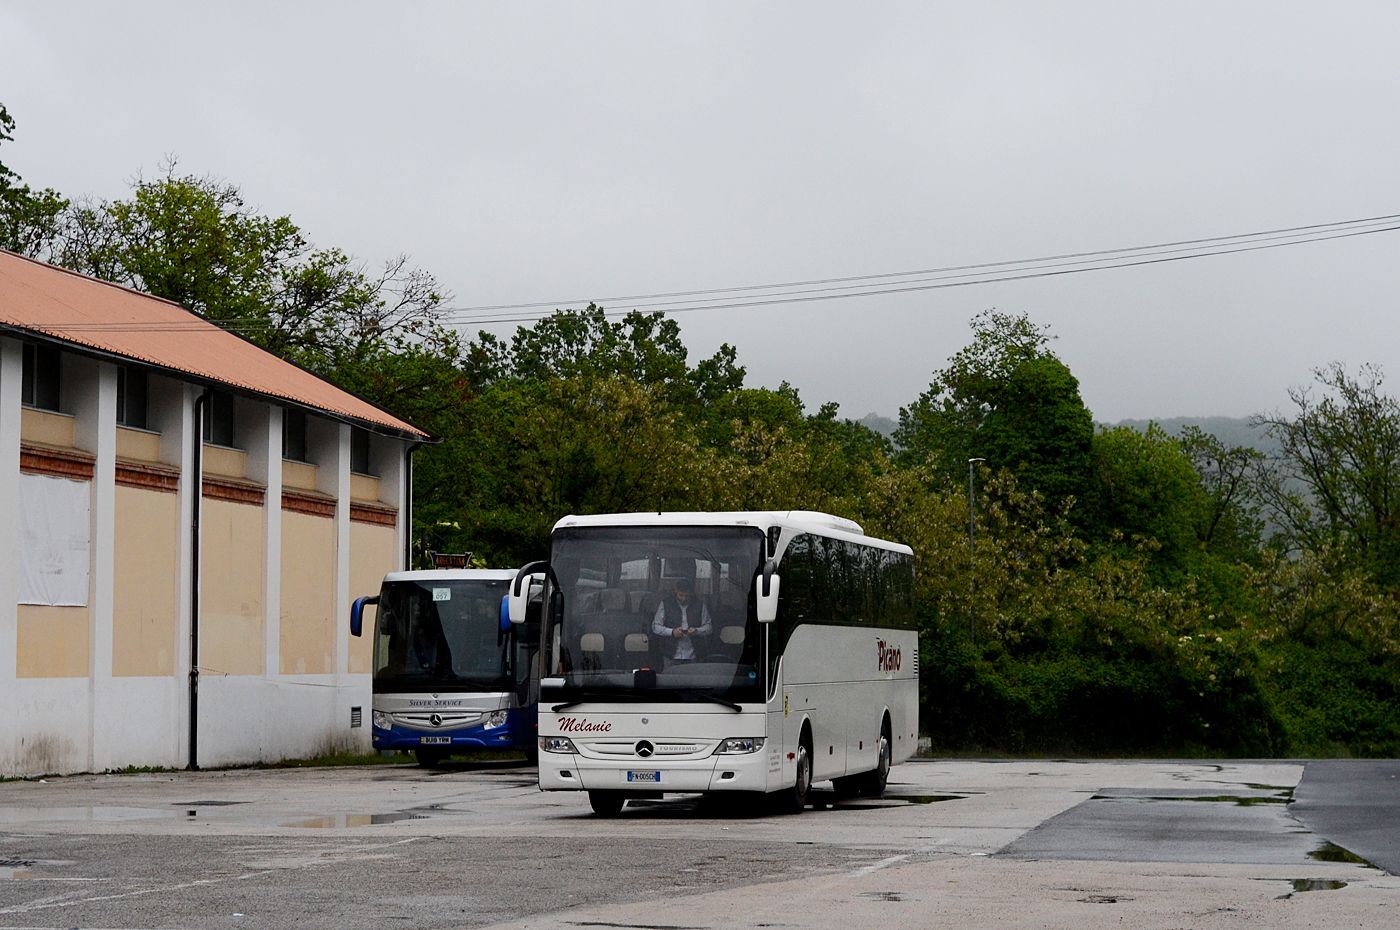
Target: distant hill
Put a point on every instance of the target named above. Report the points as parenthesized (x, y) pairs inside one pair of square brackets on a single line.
[(876, 423), (1232, 431)]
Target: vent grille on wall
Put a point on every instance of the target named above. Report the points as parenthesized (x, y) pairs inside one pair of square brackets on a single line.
[(355, 717)]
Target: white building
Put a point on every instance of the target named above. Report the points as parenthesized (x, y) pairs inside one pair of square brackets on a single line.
[(304, 506)]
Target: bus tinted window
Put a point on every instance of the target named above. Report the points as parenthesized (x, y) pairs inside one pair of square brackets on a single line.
[(441, 634), (833, 581), (669, 602)]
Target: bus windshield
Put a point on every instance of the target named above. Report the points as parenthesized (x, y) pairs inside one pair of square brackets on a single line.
[(656, 610), (442, 635)]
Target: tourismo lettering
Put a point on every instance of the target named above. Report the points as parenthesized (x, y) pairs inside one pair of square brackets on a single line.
[(889, 656), (581, 725)]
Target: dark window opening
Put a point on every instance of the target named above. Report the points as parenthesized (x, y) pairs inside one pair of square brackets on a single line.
[(294, 434), (359, 451), (218, 420), (131, 397), (39, 381)]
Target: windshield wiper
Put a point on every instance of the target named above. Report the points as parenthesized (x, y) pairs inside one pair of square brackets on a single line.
[(584, 697), (718, 700)]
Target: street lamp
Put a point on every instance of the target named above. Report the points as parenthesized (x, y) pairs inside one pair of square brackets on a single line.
[(971, 553)]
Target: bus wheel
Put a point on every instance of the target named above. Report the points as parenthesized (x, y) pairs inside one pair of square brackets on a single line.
[(873, 783), (606, 803), (794, 799), (430, 758)]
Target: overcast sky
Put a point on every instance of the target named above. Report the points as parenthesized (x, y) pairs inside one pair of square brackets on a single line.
[(527, 152)]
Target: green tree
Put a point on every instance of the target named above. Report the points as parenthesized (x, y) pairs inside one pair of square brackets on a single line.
[(1148, 489), (195, 241), (643, 347), (1336, 481), (1008, 399), (1229, 525), (530, 452), (29, 220)]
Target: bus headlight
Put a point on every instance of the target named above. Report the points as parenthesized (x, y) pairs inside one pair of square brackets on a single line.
[(556, 744), (381, 720), (496, 719), (743, 744)]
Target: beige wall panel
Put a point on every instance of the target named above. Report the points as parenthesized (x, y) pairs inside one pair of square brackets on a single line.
[(308, 594), (231, 588), (52, 642), (218, 460), (145, 599), (298, 475), (364, 487), (372, 556), (140, 444), (54, 429)]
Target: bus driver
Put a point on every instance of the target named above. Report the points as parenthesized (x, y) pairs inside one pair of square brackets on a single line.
[(676, 616)]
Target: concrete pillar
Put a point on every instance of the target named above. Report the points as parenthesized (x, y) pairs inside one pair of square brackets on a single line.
[(342, 558), (272, 545), (11, 368), (177, 446), (96, 427)]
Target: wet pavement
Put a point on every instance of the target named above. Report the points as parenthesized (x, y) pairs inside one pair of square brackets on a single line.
[(1045, 844), (1356, 804)]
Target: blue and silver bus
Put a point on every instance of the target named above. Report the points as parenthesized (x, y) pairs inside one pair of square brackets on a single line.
[(451, 673)]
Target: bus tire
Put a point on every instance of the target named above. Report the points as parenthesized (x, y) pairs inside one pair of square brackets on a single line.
[(606, 803), (794, 799), (430, 758), (872, 784)]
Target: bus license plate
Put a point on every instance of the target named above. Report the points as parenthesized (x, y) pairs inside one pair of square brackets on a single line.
[(435, 740), (653, 777)]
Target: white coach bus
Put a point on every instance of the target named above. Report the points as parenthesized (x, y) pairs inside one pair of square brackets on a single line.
[(755, 652)]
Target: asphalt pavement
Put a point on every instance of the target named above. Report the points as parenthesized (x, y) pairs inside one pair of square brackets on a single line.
[(1037, 844), (1354, 803)]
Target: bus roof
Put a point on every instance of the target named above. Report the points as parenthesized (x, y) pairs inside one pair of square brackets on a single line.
[(811, 521), (454, 574)]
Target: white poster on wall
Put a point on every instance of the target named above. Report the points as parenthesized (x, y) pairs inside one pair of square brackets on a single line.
[(55, 537)]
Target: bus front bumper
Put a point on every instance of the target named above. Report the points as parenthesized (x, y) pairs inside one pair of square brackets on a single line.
[(478, 737), (561, 771)]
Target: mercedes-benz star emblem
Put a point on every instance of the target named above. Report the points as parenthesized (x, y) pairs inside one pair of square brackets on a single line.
[(435, 720), (645, 748)]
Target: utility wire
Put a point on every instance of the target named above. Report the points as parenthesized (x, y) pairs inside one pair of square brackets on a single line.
[(1282, 233), (841, 288), (993, 278)]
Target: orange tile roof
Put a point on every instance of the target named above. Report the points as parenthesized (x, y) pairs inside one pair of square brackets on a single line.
[(90, 312)]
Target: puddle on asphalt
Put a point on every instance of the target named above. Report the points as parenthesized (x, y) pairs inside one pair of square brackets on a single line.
[(881, 895), (1099, 899), (1331, 852), (206, 803), (97, 814), (343, 821), (1317, 884), (1311, 884), (1237, 800)]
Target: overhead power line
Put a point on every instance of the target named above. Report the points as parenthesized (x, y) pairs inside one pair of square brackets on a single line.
[(837, 288), (842, 288)]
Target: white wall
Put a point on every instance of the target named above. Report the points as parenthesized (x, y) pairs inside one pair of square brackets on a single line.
[(104, 722)]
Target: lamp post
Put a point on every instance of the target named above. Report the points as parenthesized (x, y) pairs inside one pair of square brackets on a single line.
[(971, 553)]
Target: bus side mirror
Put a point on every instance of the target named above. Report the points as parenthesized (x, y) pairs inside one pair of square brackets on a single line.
[(768, 594), (357, 613), (520, 591)]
